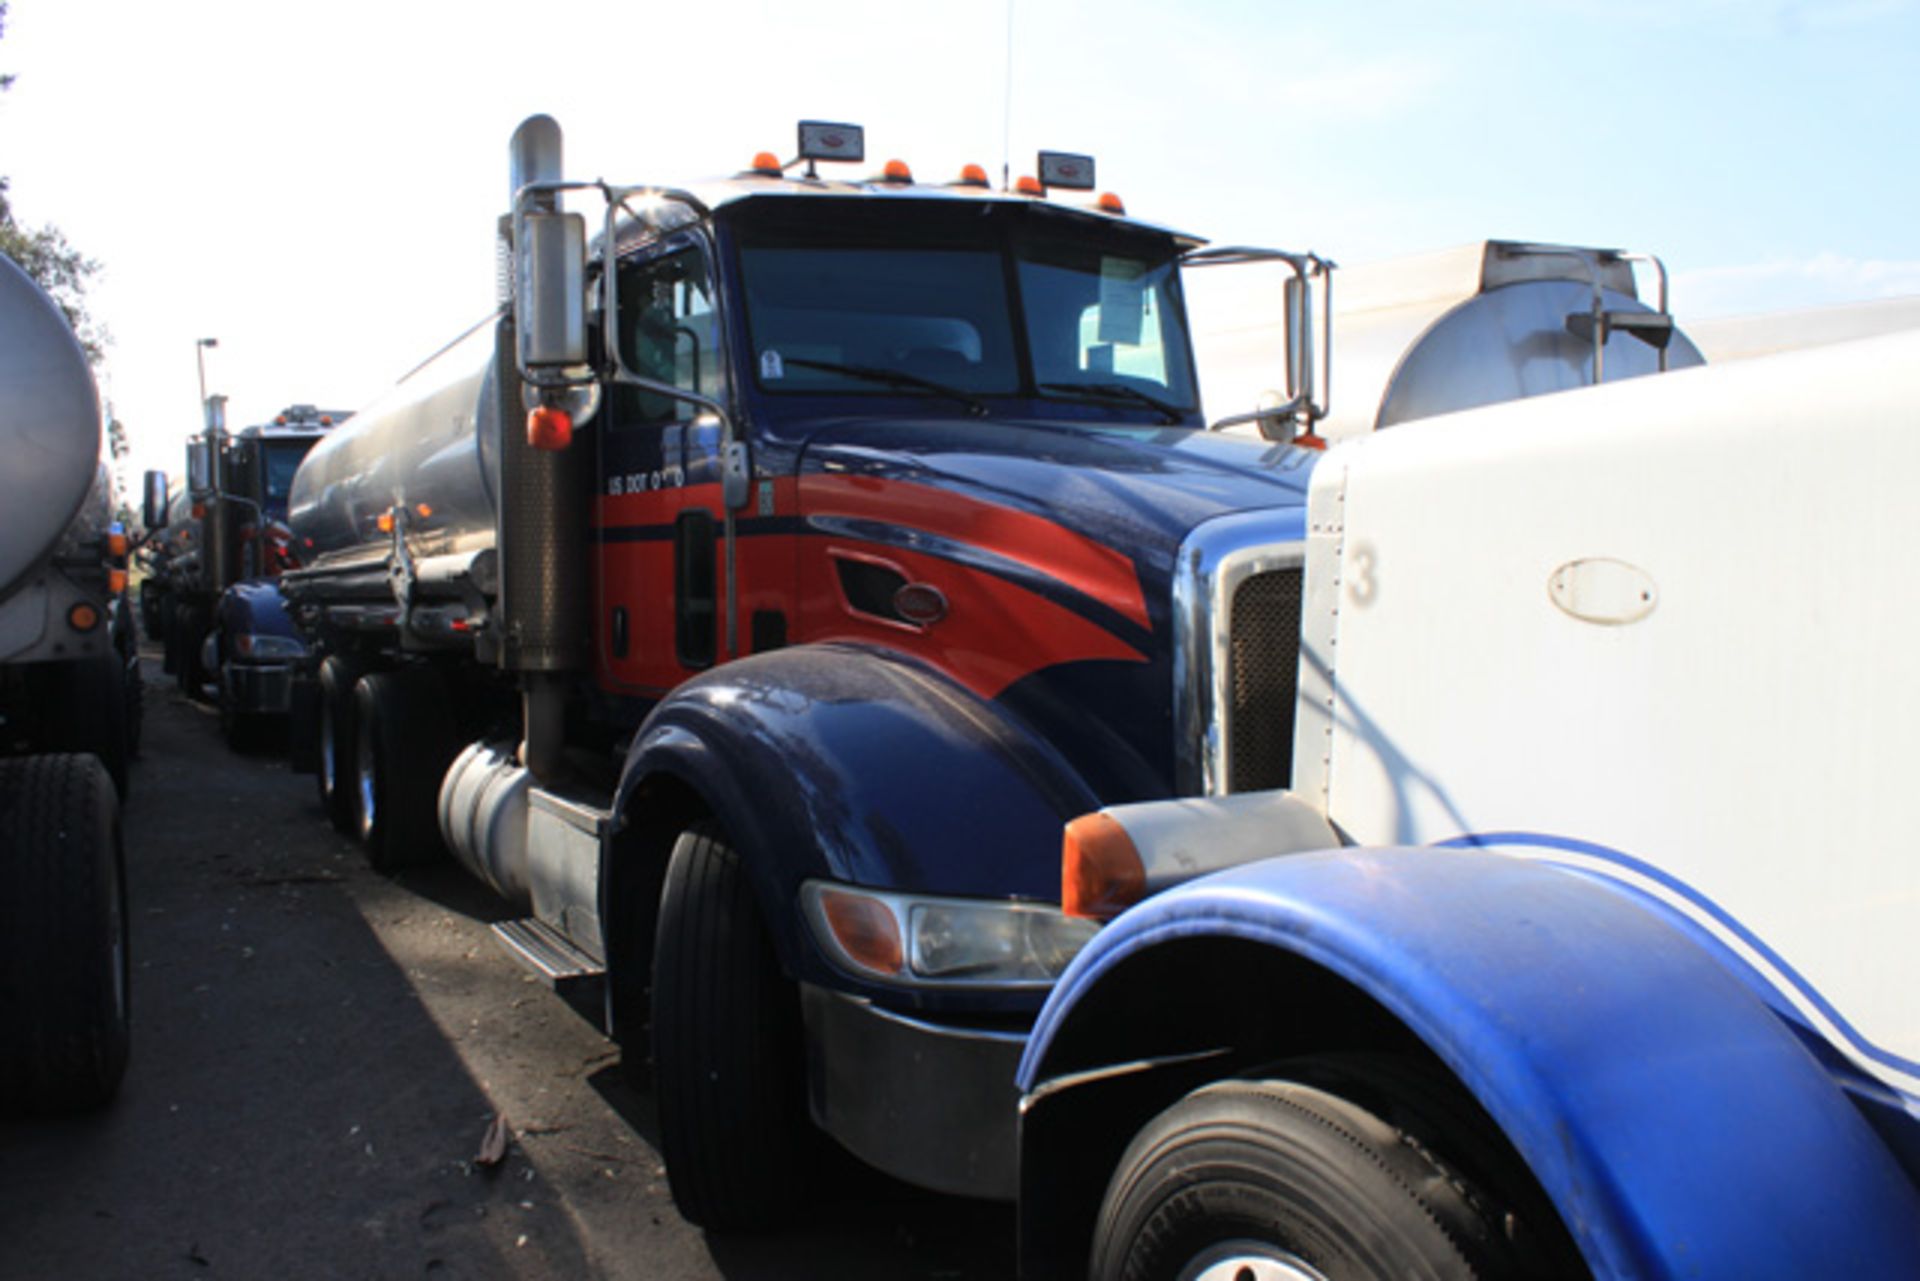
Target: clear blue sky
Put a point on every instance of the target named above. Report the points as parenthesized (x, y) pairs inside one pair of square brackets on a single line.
[(316, 186)]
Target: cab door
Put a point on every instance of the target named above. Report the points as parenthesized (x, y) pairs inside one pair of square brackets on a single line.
[(657, 516)]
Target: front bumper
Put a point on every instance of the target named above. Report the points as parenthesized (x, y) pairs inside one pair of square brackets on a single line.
[(929, 1103), (258, 689)]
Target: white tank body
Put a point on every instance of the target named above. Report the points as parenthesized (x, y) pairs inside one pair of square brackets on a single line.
[(49, 429)]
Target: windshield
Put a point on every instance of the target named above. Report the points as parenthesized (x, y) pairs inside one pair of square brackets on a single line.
[(282, 461), (963, 302)]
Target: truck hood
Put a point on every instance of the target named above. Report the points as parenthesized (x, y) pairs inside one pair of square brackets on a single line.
[(1136, 490)]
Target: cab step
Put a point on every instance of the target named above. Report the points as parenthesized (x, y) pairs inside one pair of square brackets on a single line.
[(547, 952)]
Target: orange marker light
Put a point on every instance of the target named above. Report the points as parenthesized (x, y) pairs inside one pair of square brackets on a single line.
[(326, 420), (897, 171), (117, 546), (1110, 203), (422, 510), (1307, 440), (973, 176), (384, 522), (116, 581), (1101, 874), (1029, 186), (199, 511), (866, 930), (549, 428), (280, 420), (765, 162), (83, 617)]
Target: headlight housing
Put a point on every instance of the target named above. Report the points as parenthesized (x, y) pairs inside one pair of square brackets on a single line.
[(927, 941), (262, 649)]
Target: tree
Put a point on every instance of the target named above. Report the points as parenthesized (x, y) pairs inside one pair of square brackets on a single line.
[(44, 254)]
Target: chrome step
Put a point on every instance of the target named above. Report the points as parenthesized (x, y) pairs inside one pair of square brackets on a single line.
[(547, 952)]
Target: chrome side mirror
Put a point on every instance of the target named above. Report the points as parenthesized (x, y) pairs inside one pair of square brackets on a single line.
[(153, 511)]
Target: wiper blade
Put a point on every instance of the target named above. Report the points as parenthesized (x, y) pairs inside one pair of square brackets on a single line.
[(893, 378), (1117, 391)]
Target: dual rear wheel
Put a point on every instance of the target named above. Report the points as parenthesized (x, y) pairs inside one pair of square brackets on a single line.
[(386, 739)]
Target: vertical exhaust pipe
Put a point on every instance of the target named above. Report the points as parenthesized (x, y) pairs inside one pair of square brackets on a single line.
[(542, 524)]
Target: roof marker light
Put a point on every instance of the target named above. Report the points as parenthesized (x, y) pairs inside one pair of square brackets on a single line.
[(326, 420), (280, 420), (896, 171), (766, 164), (972, 176), (1110, 203), (1029, 186)]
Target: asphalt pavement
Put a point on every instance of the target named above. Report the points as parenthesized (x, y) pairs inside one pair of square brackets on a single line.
[(319, 1054)]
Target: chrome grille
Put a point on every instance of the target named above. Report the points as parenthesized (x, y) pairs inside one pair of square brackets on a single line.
[(1262, 674)]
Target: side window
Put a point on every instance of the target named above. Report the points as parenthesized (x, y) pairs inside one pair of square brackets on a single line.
[(669, 333)]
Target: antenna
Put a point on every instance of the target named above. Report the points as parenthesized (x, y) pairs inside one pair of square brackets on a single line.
[(1006, 112)]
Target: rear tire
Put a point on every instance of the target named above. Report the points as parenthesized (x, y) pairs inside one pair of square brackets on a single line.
[(1283, 1179), (64, 1013), (728, 1049), (403, 745), (84, 709), (339, 734)]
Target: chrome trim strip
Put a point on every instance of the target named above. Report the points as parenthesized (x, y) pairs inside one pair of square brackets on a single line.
[(1214, 560)]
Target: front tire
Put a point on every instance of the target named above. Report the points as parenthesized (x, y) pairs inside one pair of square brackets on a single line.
[(64, 1012), (727, 1045), (1281, 1179)]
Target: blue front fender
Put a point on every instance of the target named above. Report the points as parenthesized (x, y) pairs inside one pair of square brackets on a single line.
[(1679, 1125), (850, 764)]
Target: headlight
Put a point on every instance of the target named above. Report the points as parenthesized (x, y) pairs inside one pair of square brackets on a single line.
[(267, 648), (943, 942)]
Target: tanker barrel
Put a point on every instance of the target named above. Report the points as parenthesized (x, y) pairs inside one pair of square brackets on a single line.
[(49, 427)]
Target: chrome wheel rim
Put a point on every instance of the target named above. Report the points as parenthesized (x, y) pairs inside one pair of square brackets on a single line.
[(1248, 1260)]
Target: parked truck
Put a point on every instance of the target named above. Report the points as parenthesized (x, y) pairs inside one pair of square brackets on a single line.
[(65, 726), (1578, 943), (754, 596), (219, 611)]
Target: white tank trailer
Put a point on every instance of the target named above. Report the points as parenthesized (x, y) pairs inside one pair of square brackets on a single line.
[(65, 728)]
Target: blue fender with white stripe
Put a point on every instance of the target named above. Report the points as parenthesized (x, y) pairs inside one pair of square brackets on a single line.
[(1681, 1127)]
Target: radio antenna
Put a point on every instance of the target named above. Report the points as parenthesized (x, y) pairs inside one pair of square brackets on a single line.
[(1006, 112)]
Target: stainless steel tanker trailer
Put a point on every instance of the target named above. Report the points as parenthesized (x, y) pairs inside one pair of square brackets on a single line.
[(65, 726), (751, 600), (1436, 333)]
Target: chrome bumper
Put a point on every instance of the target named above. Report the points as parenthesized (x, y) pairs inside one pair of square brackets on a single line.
[(259, 689), (928, 1103)]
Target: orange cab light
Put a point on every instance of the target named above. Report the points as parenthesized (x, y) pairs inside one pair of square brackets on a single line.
[(116, 581), (897, 171), (973, 176), (1029, 186), (117, 546), (1308, 440), (765, 162), (384, 522), (199, 511), (280, 420), (549, 428), (866, 930), (1101, 874), (83, 617), (326, 420), (1110, 203), (423, 511)]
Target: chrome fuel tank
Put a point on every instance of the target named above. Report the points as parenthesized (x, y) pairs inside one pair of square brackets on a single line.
[(418, 449), (49, 427)]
